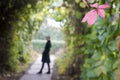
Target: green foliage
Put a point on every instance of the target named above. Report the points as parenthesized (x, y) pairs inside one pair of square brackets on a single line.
[(24, 57), (63, 62), (19, 19), (77, 1), (82, 4), (97, 44), (13, 53), (59, 14), (72, 49), (100, 50), (78, 14)]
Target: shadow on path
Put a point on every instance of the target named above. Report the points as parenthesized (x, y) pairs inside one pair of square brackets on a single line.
[(31, 73)]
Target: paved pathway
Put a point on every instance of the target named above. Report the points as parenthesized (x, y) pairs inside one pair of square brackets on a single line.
[(31, 74)]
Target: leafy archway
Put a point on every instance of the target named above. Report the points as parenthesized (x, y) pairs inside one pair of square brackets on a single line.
[(95, 46), (16, 30), (19, 20)]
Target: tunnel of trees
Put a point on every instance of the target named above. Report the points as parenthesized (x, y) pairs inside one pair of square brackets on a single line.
[(92, 51)]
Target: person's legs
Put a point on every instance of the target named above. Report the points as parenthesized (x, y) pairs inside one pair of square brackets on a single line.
[(48, 68), (41, 68)]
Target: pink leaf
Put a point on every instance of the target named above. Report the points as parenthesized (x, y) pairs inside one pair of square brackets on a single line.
[(94, 5), (90, 17), (104, 6), (101, 12), (85, 18)]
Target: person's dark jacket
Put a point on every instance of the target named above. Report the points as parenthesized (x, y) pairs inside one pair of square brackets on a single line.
[(45, 54)]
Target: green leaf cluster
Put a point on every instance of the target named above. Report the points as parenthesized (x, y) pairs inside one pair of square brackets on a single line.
[(97, 44), (100, 50)]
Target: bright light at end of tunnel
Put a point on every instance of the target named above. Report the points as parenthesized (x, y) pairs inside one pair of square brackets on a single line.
[(53, 23), (57, 3)]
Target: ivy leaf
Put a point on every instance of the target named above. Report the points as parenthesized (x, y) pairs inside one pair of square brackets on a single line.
[(91, 74), (78, 14), (108, 65), (98, 63), (96, 56), (77, 1), (101, 31), (116, 64), (112, 45), (101, 69), (102, 37), (82, 4), (98, 71)]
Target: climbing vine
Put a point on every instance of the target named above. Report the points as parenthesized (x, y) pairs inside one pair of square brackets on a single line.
[(97, 44), (18, 21)]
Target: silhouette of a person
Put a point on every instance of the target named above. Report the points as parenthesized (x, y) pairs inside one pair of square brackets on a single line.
[(45, 56)]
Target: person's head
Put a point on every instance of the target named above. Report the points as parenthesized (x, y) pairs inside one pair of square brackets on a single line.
[(48, 38)]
